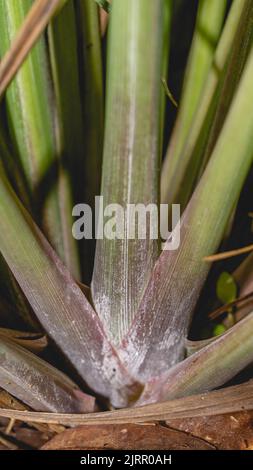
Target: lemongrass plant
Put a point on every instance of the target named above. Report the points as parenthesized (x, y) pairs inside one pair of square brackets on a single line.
[(124, 337)]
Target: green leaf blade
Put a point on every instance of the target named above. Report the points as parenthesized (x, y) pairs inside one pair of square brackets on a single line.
[(133, 111), (31, 115), (211, 367), (156, 339), (181, 170), (38, 384), (59, 304), (92, 95), (207, 31)]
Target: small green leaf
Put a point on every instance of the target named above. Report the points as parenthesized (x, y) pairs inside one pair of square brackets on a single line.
[(219, 330), (226, 289)]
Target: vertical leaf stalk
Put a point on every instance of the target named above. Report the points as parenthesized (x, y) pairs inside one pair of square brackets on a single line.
[(92, 92), (131, 154), (209, 22), (156, 339), (32, 120)]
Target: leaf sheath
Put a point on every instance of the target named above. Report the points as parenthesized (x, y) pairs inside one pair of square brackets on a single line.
[(132, 154), (156, 339)]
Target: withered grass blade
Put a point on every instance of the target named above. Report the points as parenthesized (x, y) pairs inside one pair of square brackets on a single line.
[(228, 400), (35, 23)]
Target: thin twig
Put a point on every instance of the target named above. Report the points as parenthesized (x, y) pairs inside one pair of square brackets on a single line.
[(225, 308), (168, 93), (36, 21), (229, 254), (10, 426)]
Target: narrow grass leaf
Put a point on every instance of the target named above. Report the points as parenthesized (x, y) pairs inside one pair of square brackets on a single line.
[(70, 132), (34, 342), (58, 302), (243, 275), (35, 23), (132, 145), (229, 82), (178, 179), (92, 93), (195, 346), (38, 384), (208, 27), (8, 285), (156, 339), (31, 115), (207, 369), (228, 400)]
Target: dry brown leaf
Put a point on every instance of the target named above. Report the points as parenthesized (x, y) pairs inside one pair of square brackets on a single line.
[(222, 432), (225, 432), (3, 447), (26, 438), (7, 401), (127, 437), (7, 444)]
